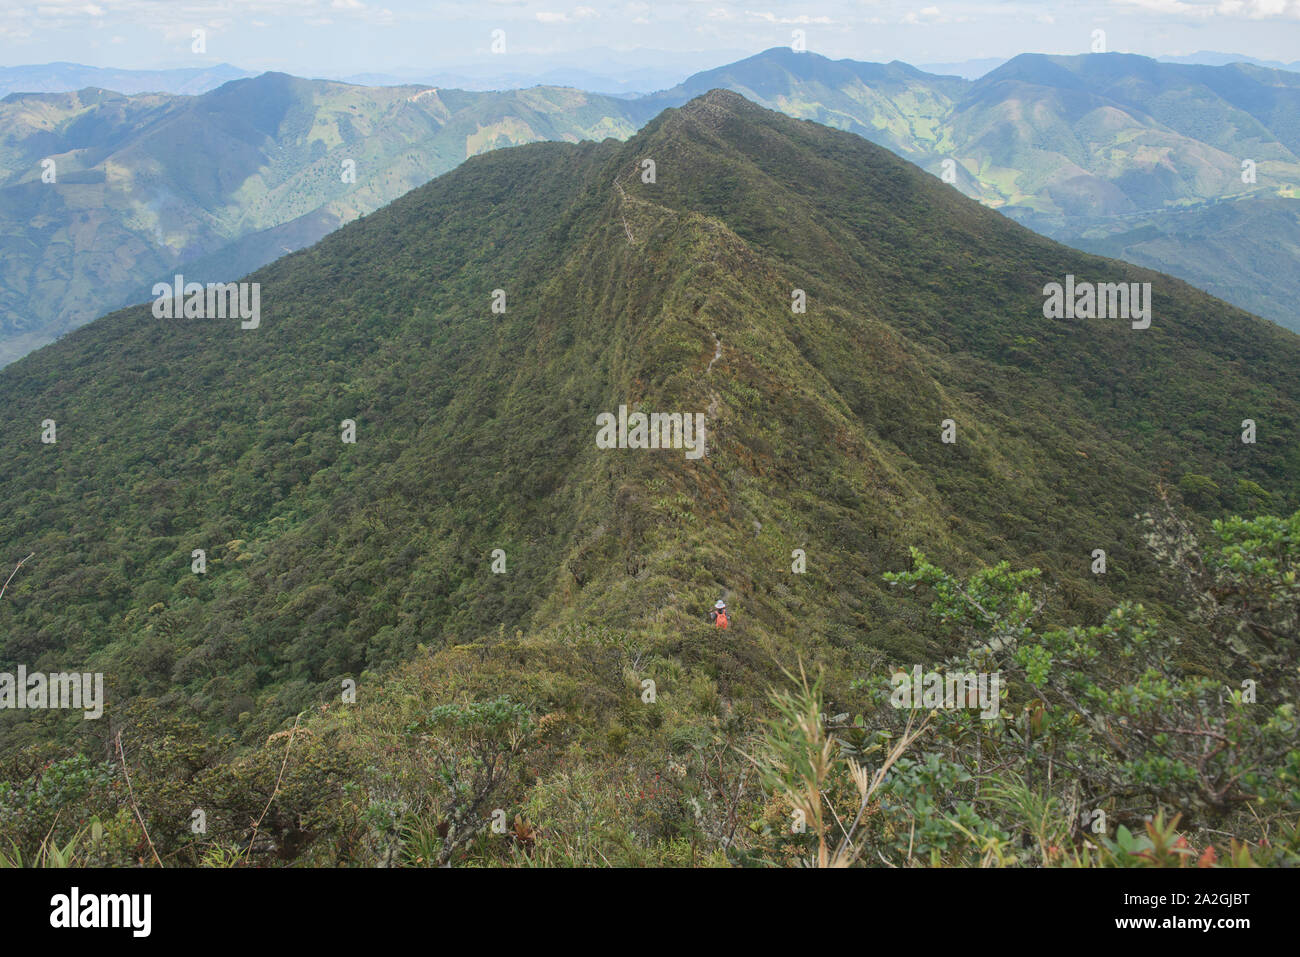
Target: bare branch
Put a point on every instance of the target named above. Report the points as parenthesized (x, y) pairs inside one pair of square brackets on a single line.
[(135, 807), (15, 572)]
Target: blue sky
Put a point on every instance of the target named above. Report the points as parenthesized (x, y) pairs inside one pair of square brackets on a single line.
[(345, 37)]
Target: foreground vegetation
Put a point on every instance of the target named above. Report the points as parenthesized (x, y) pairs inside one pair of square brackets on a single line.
[(1108, 751)]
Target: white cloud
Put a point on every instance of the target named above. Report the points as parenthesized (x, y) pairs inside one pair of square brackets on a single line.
[(1205, 9), (1179, 7), (773, 18), (924, 15), (579, 13), (1260, 9)]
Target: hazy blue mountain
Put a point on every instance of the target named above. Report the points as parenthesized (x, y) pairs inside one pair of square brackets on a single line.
[(1210, 58), (967, 69), (69, 77)]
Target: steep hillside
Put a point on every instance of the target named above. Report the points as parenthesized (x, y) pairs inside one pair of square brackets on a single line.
[(477, 430), (1241, 249), (1106, 152), (103, 194), (1077, 138)]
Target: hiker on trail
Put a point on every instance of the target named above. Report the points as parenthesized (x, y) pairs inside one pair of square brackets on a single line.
[(718, 614)]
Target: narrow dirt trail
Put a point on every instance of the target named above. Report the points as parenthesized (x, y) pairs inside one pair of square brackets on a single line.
[(716, 355), (623, 200)]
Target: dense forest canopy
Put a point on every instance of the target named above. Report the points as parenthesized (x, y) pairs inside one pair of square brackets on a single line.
[(458, 612)]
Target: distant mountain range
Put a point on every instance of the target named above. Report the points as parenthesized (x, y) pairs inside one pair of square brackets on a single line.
[(623, 72), (69, 77), (224, 182), (1210, 58), (603, 71), (966, 69), (974, 69), (1117, 154)]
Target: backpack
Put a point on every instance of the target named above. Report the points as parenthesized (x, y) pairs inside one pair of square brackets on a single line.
[(720, 619)]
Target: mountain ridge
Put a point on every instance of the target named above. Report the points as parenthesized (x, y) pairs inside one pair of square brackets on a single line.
[(722, 262), (477, 560)]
